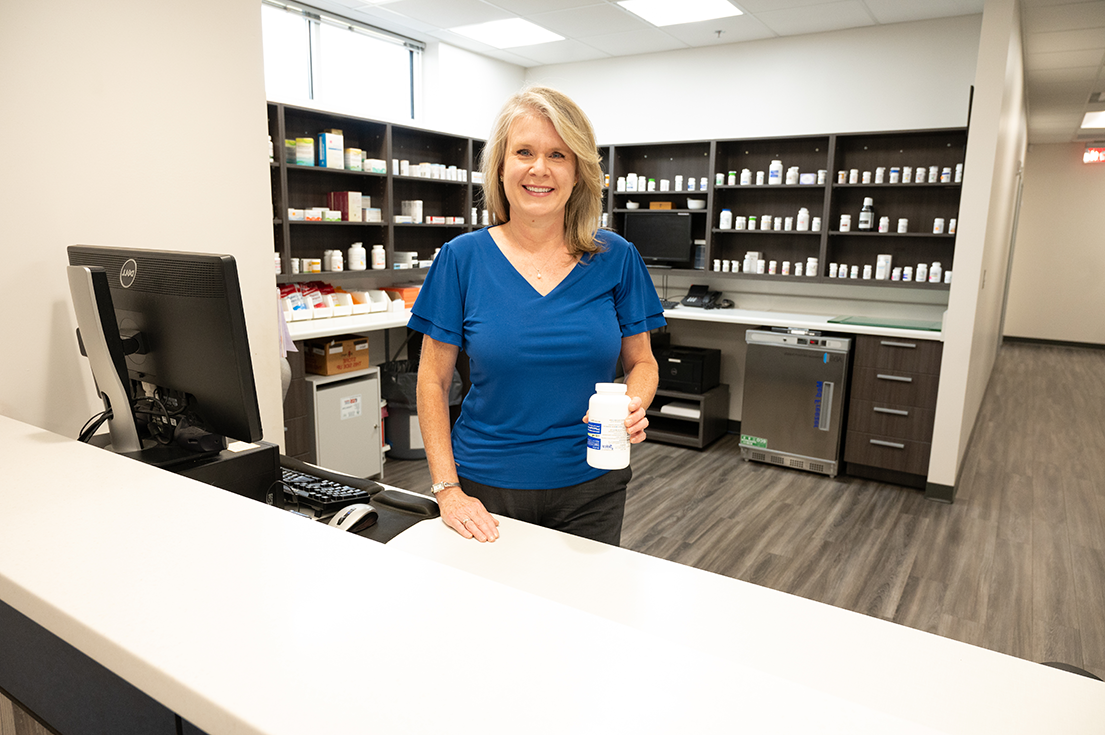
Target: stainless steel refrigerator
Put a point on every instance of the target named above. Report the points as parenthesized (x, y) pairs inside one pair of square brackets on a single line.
[(795, 383)]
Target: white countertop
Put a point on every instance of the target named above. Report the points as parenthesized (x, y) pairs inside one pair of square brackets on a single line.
[(753, 317), (243, 618), (870, 663)]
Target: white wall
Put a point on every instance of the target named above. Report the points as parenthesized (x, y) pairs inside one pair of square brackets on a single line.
[(127, 123), (995, 151), (892, 77), (463, 92), (1056, 290)]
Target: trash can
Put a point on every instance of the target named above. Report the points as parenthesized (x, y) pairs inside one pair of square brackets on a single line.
[(399, 387)]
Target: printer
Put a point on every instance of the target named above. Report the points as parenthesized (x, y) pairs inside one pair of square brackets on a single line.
[(688, 369)]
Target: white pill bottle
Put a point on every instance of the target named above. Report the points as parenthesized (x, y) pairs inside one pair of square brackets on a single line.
[(607, 437)]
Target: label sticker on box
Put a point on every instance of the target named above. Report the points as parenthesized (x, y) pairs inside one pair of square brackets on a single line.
[(753, 441), (351, 407)]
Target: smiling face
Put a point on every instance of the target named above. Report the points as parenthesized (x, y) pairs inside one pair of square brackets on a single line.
[(539, 171)]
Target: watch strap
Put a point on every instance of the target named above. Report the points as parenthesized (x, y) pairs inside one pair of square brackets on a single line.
[(439, 486)]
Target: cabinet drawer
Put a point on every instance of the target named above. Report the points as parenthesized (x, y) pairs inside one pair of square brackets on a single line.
[(895, 353), (895, 386), (900, 421), (887, 452)]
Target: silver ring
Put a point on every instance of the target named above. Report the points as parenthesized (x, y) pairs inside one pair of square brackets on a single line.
[(466, 520)]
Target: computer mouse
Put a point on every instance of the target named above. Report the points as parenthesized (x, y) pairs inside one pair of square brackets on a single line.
[(355, 518)]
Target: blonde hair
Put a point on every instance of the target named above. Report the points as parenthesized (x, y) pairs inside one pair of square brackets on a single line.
[(583, 211)]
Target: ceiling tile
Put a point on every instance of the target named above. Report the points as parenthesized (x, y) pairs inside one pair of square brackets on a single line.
[(1066, 17), (589, 21), (1088, 38), (560, 52), (1064, 59), (1082, 74), (1063, 93), (733, 30), (448, 14), (896, 11), (817, 18), (635, 42), (761, 6), (532, 7), (390, 20)]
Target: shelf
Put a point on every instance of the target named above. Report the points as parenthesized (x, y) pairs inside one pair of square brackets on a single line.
[(315, 328), (661, 211), (670, 192), (425, 179), (911, 185), (766, 187), (340, 171), (732, 231), (301, 222), (389, 275), (869, 233), (713, 409)]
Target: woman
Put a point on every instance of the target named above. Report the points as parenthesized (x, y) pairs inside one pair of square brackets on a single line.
[(544, 304)]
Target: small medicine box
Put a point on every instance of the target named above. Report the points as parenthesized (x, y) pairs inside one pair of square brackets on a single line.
[(335, 355)]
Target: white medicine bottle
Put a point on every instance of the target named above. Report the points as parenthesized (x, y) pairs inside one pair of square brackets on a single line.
[(379, 258), (607, 437), (775, 172), (357, 258)]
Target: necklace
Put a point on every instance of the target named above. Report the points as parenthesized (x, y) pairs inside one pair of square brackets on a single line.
[(543, 265)]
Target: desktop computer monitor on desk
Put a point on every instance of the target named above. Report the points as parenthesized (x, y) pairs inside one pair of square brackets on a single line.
[(165, 335)]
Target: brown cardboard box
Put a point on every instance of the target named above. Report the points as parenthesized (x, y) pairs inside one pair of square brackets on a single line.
[(335, 355), (659, 205)]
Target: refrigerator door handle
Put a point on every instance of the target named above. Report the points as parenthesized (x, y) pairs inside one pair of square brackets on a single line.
[(888, 343), (895, 411), (899, 378), (825, 419)]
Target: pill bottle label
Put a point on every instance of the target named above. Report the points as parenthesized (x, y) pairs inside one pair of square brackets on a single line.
[(607, 441)]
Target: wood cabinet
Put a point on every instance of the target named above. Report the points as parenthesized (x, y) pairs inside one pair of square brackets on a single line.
[(698, 431), (721, 162), (303, 187), (892, 407)]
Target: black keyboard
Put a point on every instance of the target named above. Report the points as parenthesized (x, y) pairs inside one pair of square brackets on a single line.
[(324, 496)]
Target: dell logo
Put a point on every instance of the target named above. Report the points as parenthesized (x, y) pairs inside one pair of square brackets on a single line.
[(128, 273)]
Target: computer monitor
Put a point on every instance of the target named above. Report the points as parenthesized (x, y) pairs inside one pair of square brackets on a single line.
[(165, 334), (662, 238)]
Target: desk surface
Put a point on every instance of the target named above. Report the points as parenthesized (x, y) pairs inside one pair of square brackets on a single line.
[(207, 601), (759, 318)]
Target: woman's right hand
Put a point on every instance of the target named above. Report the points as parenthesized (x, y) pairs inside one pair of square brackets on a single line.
[(466, 515)]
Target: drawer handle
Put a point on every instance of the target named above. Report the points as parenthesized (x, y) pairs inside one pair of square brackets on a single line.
[(899, 378), (895, 411), (887, 343), (892, 445)]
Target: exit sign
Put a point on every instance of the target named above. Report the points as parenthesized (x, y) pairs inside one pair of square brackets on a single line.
[(1093, 155)]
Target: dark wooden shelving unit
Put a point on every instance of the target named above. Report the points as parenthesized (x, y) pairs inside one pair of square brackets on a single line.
[(920, 203)]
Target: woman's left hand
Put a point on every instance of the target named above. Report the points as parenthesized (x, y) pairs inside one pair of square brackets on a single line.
[(635, 423)]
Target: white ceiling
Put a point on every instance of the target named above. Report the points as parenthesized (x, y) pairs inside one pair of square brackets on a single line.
[(1064, 41)]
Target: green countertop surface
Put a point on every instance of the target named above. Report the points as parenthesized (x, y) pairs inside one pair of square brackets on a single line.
[(872, 321)]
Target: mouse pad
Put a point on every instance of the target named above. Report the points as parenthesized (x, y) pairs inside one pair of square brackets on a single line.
[(393, 521)]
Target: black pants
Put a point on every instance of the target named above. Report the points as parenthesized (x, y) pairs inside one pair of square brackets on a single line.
[(592, 509)]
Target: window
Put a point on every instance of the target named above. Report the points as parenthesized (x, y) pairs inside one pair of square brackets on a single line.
[(338, 64)]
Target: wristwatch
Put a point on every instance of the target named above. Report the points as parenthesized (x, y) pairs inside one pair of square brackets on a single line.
[(439, 486)]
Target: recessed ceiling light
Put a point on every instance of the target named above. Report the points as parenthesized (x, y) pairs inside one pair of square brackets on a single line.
[(1094, 120), (508, 33), (668, 13)]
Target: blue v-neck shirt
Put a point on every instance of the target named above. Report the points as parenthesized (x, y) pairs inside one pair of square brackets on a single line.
[(534, 359)]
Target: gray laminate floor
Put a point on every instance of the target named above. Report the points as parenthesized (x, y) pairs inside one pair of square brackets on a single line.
[(1016, 564)]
